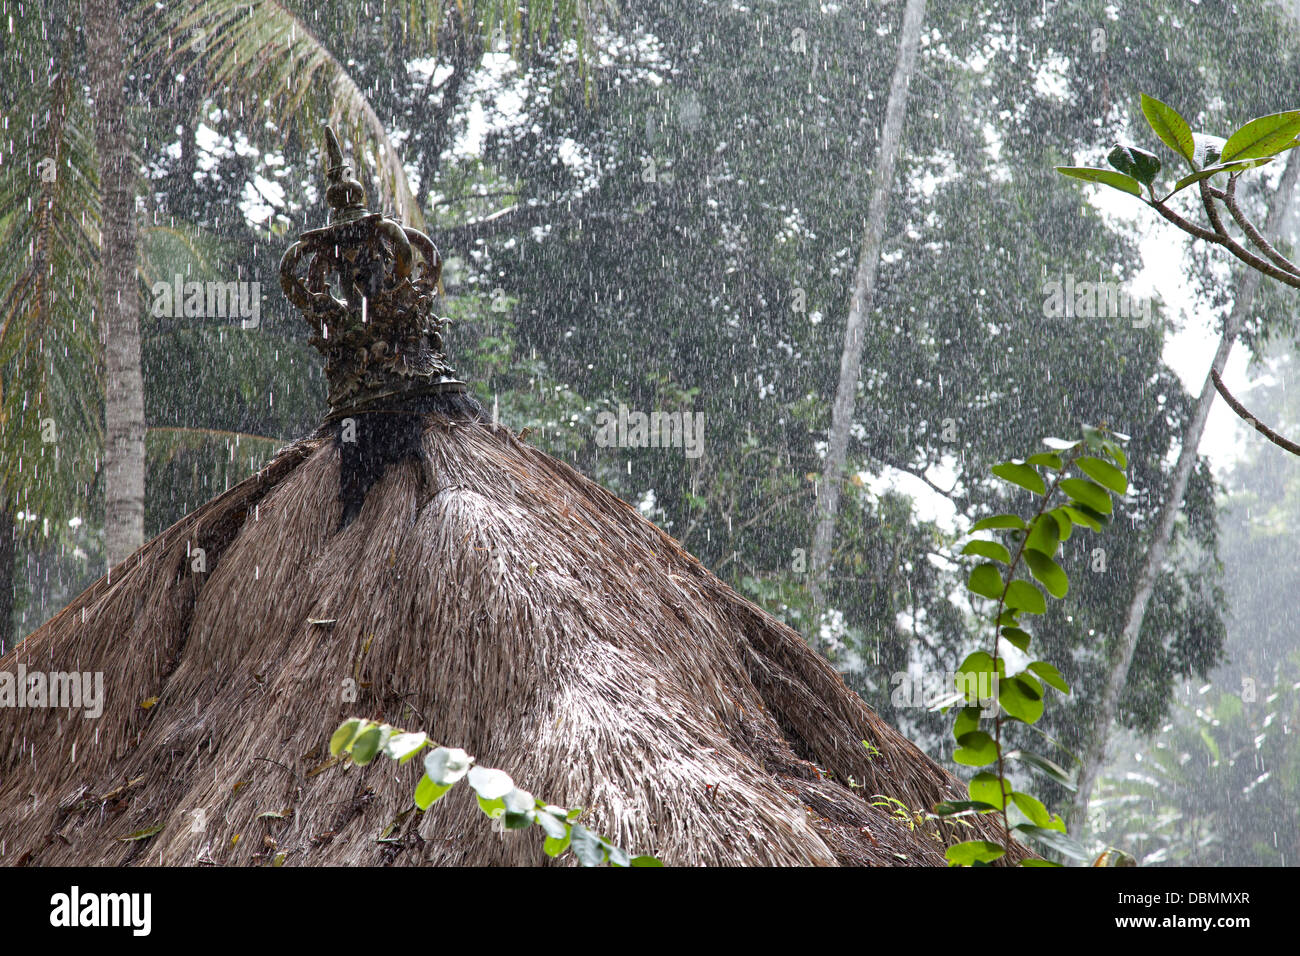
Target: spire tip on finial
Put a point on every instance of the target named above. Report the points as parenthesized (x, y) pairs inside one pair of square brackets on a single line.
[(332, 148), (343, 193)]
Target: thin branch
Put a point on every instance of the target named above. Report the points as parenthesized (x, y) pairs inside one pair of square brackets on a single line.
[(921, 474), (1200, 232), (945, 557), (1229, 199), (1250, 419), (779, 502), (1212, 211)]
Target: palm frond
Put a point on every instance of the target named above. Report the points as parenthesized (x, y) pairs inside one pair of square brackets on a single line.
[(50, 380), (263, 57)]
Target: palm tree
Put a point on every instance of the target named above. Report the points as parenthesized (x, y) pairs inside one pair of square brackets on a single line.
[(51, 425), (119, 302)]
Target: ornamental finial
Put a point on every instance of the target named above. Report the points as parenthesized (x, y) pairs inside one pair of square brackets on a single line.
[(367, 294)]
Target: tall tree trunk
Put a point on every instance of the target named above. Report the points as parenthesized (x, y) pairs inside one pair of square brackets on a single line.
[(864, 288), (119, 314), (1094, 751), (7, 582)]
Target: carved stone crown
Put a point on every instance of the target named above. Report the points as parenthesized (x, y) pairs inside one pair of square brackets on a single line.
[(368, 294)]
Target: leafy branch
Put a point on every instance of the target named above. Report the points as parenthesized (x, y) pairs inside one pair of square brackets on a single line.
[(1085, 474), (1253, 145), (498, 797)]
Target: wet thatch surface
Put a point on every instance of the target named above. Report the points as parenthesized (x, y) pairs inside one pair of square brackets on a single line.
[(489, 595)]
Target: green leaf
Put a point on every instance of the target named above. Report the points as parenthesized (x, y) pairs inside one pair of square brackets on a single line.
[(1059, 444), (968, 719), (143, 834), (553, 826), (1047, 459), (977, 749), (1050, 675), (1172, 129), (447, 765), (1023, 596), (972, 852), (1088, 493), (1055, 840), (490, 784), (1035, 861), (1264, 136), (1206, 150), (975, 679), (427, 793), (1138, 163), (989, 788), (1101, 519), (947, 808), (988, 549), (521, 809), (975, 675), (1108, 177), (495, 809), (554, 846), (1079, 516), (1019, 699), (986, 581), (1032, 808), (1043, 765), (1104, 473), (1048, 572), (1117, 453), (1215, 170), (402, 747), (999, 521), (367, 745), (1019, 638), (344, 736), (1063, 522), (646, 861), (1021, 474), (1045, 535), (1210, 743), (587, 846)]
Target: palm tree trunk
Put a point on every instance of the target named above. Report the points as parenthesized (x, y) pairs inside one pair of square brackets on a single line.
[(119, 316), (864, 288), (1094, 751)]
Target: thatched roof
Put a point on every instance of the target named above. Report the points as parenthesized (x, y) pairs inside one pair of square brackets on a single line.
[(488, 594), (418, 565)]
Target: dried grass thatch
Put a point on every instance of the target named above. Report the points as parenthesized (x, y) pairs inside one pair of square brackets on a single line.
[(488, 594)]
